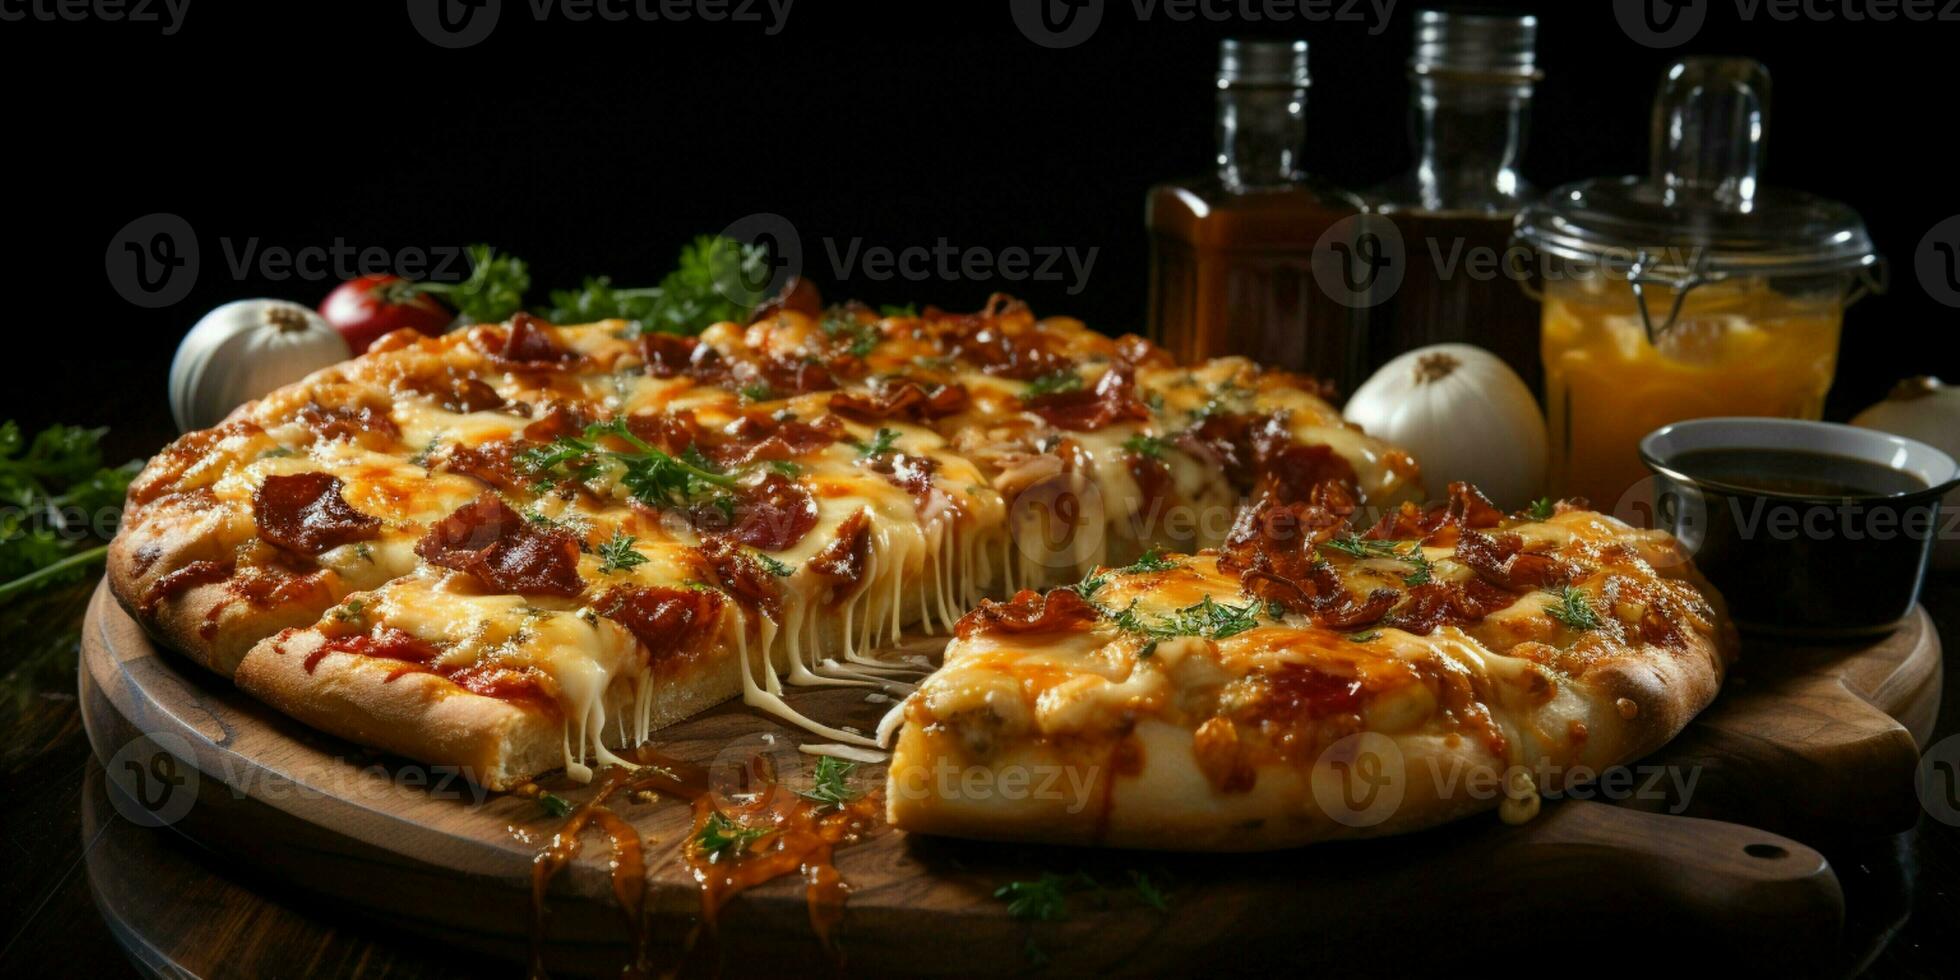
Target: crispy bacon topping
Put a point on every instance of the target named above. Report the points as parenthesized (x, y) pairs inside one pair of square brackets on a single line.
[(798, 295), (1113, 399), (983, 340), (740, 575), (842, 561), (901, 399), (668, 355), (503, 550), (1467, 507), (560, 418), (367, 424), (457, 393), (494, 463), (533, 341), (1436, 604), (1258, 452), (1501, 560), (910, 473), (770, 515), (1140, 352), (672, 624), (306, 513), (1060, 611), (759, 436)]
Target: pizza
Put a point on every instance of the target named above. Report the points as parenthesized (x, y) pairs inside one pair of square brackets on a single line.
[(1308, 681), (521, 547)]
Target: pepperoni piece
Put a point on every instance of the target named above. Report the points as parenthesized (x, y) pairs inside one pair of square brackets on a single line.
[(1060, 611), (842, 561), (1112, 400), (769, 515), (901, 399), (533, 341), (672, 624), (488, 540), (305, 513)]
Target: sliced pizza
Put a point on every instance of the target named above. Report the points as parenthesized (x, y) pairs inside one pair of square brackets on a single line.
[(1305, 682)]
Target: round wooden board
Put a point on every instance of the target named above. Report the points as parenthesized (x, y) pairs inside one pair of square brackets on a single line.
[(419, 850)]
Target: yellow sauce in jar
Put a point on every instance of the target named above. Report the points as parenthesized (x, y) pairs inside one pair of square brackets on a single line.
[(1738, 348)]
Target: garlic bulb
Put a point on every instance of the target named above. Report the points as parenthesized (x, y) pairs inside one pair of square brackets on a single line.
[(1928, 410), (1464, 414), (242, 350)]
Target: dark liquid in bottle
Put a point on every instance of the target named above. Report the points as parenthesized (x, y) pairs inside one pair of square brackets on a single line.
[(1232, 273), (1457, 289)]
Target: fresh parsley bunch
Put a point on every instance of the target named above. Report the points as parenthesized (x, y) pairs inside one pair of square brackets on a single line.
[(53, 492)]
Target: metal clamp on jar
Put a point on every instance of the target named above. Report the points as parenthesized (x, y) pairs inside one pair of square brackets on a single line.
[(1691, 292)]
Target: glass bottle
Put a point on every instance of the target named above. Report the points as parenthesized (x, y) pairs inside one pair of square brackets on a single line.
[(1694, 291), (1232, 252), (1470, 80)]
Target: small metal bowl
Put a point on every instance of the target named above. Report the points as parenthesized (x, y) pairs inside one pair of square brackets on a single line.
[(1795, 564)]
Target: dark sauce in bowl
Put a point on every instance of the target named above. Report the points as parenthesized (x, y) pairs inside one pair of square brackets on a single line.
[(1801, 542), (1794, 473)]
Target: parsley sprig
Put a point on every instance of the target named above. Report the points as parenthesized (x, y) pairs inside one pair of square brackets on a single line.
[(1052, 383), (721, 839), (616, 554), (1355, 546), (1574, 610), (650, 475), (832, 783)]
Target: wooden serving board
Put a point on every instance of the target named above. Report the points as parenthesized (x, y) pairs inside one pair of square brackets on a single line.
[(392, 841)]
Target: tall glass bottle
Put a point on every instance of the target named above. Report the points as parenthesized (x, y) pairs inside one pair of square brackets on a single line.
[(1231, 251), (1470, 94)]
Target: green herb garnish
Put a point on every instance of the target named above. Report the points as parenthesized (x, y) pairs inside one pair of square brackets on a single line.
[(1049, 384), (1147, 446), (555, 805), (722, 839), (832, 787), (1542, 509), (1151, 894), (881, 443), (774, 567), (1044, 899), (616, 554), (1151, 561), (1574, 610)]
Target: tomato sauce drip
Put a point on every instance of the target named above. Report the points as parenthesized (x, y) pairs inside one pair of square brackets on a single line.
[(798, 836), (173, 584)]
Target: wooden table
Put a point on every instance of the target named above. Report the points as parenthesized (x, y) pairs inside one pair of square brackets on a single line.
[(240, 925)]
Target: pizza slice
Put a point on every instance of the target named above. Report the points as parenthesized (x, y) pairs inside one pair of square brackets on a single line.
[(1306, 682)]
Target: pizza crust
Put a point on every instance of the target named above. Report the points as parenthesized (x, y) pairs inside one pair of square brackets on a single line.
[(423, 716)]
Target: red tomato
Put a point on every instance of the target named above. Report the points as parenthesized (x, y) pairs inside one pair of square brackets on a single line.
[(363, 309)]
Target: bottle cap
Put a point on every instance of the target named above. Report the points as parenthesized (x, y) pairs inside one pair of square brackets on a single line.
[(1277, 64), (1502, 46)]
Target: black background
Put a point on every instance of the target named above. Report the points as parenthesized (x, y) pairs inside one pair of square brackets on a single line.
[(595, 147)]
